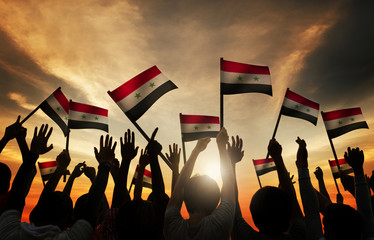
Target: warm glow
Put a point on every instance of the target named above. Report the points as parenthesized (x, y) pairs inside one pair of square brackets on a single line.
[(213, 170)]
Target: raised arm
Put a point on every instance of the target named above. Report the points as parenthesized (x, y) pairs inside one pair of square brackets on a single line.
[(355, 158), (176, 198), (174, 158), (25, 175), (285, 182), (321, 183), (308, 194), (348, 183), (143, 162), (154, 148), (11, 132), (128, 152), (77, 172)]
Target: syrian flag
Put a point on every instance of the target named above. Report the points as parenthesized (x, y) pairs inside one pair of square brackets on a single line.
[(194, 127), (298, 106), (342, 121), (262, 166), (138, 94), (244, 78), (47, 169), (87, 116), (147, 178), (56, 106), (344, 167)]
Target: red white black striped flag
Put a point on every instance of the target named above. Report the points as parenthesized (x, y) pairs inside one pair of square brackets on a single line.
[(47, 169), (194, 127), (147, 178), (87, 116), (262, 166), (342, 121), (344, 167)]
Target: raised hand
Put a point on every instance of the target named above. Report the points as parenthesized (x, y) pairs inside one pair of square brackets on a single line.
[(78, 169), (355, 158), (174, 156), (63, 160), (319, 173), (90, 172), (128, 149), (235, 150), (14, 130), (106, 154), (144, 158), (274, 149), (222, 138), (302, 154), (202, 143), (153, 147), (40, 139)]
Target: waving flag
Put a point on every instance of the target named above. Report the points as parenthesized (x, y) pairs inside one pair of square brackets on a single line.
[(138, 94), (194, 127), (344, 167), (87, 116), (147, 178), (342, 121), (262, 166), (297, 106), (56, 106), (244, 78), (47, 169)]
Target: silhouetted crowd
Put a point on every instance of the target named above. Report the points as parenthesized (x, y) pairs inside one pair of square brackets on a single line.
[(213, 213)]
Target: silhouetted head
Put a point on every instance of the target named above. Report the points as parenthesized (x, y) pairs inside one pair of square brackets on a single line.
[(54, 208), (137, 219), (271, 210), (342, 222), (201, 194), (5, 175), (80, 209)]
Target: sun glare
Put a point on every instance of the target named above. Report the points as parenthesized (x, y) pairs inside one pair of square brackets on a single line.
[(213, 171)]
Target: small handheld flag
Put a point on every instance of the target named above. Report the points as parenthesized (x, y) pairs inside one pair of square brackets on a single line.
[(147, 178), (194, 127), (262, 166), (87, 116), (47, 169), (343, 166)]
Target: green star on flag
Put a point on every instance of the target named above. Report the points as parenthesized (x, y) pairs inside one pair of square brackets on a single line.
[(340, 122), (240, 78), (66, 118), (256, 78), (308, 110), (209, 127), (83, 116), (352, 119), (96, 118), (58, 108), (196, 127), (296, 106), (137, 95), (152, 85)]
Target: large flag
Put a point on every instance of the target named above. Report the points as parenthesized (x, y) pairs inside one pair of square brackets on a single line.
[(243, 78), (138, 94), (262, 166), (147, 178), (344, 167), (47, 169), (87, 116), (342, 121), (194, 127), (56, 106), (298, 106)]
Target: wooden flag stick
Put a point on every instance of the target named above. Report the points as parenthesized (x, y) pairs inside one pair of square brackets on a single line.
[(148, 139), (221, 103), (183, 145), (30, 114)]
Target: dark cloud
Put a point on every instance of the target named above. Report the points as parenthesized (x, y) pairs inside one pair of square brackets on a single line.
[(341, 69)]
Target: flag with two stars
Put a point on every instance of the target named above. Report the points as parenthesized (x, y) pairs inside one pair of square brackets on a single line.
[(262, 166), (87, 116), (343, 166), (298, 106), (194, 127), (56, 106), (47, 169), (137, 95), (342, 121), (244, 78)]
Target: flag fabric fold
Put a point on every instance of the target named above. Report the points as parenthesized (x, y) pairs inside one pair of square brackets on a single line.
[(342, 121), (147, 178), (194, 127), (298, 106), (137, 95), (56, 106), (47, 169), (239, 78), (344, 167), (262, 166), (87, 116)]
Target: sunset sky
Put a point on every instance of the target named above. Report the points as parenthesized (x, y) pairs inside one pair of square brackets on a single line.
[(323, 50)]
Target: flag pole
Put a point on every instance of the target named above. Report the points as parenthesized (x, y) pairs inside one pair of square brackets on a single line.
[(30, 114), (148, 139), (67, 151), (221, 100), (183, 145), (258, 178)]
